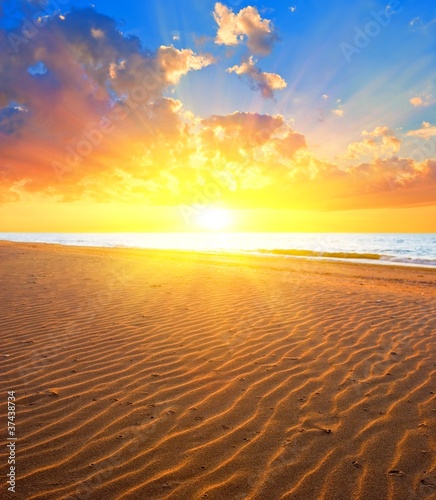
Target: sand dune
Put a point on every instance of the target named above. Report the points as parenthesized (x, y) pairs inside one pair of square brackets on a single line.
[(157, 375)]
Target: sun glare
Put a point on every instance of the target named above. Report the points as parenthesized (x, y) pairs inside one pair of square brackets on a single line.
[(214, 219)]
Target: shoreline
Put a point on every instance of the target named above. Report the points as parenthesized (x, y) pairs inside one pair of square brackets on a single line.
[(372, 274), (268, 254), (168, 375)]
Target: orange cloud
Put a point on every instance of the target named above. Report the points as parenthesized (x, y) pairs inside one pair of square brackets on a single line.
[(422, 101), (416, 101), (243, 137), (381, 142)]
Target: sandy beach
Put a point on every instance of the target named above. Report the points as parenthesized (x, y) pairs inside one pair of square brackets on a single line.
[(165, 375)]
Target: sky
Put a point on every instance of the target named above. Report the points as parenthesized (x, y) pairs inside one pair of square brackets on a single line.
[(158, 116)]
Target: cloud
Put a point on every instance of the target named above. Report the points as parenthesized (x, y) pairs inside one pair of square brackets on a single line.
[(267, 83), (380, 142), (418, 101), (254, 150), (176, 63), (338, 112), (156, 72), (391, 172), (239, 135), (96, 124), (246, 24), (98, 104), (414, 22), (381, 131), (390, 182), (97, 33), (12, 118), (417, 24), (425, 132)]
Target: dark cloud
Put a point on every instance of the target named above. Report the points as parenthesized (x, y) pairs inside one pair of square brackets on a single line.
[(12, 119)]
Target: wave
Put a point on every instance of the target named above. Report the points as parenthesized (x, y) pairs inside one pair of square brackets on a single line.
[(314, 253), (354, 256)]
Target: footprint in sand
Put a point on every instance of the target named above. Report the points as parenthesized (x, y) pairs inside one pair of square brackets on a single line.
[(396, 472)]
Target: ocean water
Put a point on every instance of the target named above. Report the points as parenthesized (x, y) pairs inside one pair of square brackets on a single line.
[(406, 249)]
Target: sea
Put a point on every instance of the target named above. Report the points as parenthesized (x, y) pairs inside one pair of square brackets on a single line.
[(376, 248)]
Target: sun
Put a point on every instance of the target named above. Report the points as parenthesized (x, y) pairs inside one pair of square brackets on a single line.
[(214, 219)]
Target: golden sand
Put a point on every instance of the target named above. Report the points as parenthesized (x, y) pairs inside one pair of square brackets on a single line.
[(165, 375)]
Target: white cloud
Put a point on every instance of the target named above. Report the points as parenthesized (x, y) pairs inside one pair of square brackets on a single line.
[(175, 63), (233, 28), (417, 24)]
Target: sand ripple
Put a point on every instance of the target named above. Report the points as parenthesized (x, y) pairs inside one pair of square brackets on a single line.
[(156, 376)]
